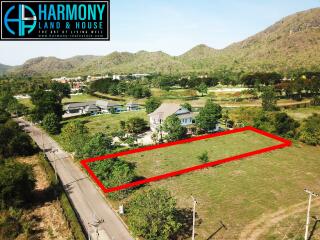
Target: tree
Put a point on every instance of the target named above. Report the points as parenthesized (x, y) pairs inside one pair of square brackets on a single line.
[(13, 141), (204, 158), (136, 125), (115, 172), (209, 116), (310, 130), (10, 104), (16, 184), (187, 106), (152, 104), (138, 91), (152, 215), (97, 145), (269, 99), (62, 90), (165, 82), (51, 123), (74, 135), (14, 107), (203, 89), (175, 131), (113, 90), (45, 102), (285, 125)]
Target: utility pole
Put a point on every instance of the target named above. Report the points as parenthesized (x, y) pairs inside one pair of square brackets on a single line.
[(311, 194), (160, 121), (194, 216)]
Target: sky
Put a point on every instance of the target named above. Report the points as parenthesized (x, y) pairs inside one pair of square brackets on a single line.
[(172, 26)]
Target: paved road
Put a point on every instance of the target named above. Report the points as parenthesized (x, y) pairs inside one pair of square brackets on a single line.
[(85, 196)]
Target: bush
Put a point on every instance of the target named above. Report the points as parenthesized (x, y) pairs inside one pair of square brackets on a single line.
[(204, 158), (278, 123), (310, 130), (285, 125), (115, 172)]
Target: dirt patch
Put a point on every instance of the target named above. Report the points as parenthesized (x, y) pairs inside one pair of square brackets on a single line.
[(46, 219), (260, 226)]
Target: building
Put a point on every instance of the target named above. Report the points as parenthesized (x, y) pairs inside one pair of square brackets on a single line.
[(95, 78), (140, 75), (167, 109), (93, 107), (109, 106), (67, 79), (131, 106)]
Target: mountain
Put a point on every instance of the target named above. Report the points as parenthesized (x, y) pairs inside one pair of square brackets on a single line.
[(4, 68), (125, 62), (290, 44), (51, 66)]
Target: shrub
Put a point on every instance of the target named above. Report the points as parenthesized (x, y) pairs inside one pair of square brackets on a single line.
[(204, 158), (310, 130)]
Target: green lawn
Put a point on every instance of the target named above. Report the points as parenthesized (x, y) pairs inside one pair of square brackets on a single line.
[(109, 122), (240, 192), (80, 98)]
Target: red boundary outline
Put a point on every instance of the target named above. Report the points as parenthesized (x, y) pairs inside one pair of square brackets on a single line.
[(284, 143)]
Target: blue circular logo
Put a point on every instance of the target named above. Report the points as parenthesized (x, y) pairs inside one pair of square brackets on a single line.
[(17, 22)]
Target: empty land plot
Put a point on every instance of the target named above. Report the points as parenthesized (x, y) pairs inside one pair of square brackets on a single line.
[(173, 158), (238, 193)]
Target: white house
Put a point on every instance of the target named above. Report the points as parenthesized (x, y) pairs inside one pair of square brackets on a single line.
[(168, 109)]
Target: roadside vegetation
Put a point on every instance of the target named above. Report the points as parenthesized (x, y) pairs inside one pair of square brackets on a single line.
[(27, 197)]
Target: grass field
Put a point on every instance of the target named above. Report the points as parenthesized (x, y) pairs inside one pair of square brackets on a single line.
[(178, 157), (80, 98), (108, 122), (302, 113), (245, 195)]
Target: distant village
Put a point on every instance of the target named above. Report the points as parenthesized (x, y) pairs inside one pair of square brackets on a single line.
[(77, 84)]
